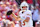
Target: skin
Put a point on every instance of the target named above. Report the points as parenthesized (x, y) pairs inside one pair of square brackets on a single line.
[(26, 20), (16, 18), (24, 7), (13, 24)]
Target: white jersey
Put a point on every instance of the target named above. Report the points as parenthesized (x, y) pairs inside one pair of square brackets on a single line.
[(24, 16)]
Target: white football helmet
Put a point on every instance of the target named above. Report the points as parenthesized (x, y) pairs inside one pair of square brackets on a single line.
[(24, 3)]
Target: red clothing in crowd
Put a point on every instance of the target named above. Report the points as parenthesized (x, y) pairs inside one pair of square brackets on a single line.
[(0, 19), (38, 1), (28, 1), (8, 17)]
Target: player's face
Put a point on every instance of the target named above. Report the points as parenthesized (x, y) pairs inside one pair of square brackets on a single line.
[(24, 7)]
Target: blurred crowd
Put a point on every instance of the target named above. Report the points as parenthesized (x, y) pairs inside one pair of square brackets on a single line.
[(14, 5)]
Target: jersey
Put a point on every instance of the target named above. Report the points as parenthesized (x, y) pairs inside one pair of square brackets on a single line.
[(23, 16)]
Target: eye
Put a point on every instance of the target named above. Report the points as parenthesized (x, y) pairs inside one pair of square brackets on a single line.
[(24, 7)]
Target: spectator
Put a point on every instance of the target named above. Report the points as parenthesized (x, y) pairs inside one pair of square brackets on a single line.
[(4, 16), (36, 15), (38, 2), (3, 1), (18, 1), (0, 6), (3, 6), (13, 2), (0, 14), (32, 8), (7, 6), (15, 9)]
